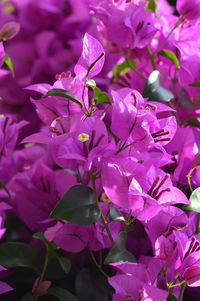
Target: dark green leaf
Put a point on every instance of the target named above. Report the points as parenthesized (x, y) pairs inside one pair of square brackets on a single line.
[(39, 235), (195, 84), (50, 245), (151, 5), (153, 89), (116, 215), (3, 186), (27, 297), (129, 228), (171, 297), (171, 56), (119, 252), (99, 96), (62, 294), (65, 94), (65, 264), (54, 270), (16, 254), (78, 206), (92, 286), (194, 201), (184, 99), (194, 122), (8, 62)]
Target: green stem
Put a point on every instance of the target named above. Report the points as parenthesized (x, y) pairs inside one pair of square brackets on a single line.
[(151, 56), (86, 112), (180, 298), (180, 20), (36, 296), (103, 219), (105, 223), (138, 73), (198, 224), (98, 265), (189, 177), (175, 285)]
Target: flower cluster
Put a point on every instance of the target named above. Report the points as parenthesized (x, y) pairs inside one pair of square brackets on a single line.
[(100, 191)]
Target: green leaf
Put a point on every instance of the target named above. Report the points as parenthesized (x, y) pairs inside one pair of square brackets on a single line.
[(65, 263), (171, 297), (116, 215), (16, 254), (195, 84), (91, 83), (65, 94), (8, 62), (194, 122), (153, 89), (151, 5), (103, 98), (119, 252), (62, 294), (123, 68), (99, 96), (194, 201), (171, 56), (77, 206)]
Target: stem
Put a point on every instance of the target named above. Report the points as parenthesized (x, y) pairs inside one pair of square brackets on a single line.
[(175, 285), (45, 266), (198, 224), (180, 20), (105, 223), (98, 265), (103, 219), (36, 296), (151, 56), (180, 298), (86, 78), (139, 74), (104, 111), (83, 98), (189, 177)]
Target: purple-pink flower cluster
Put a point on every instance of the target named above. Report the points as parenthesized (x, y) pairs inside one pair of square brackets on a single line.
[(100, 150)]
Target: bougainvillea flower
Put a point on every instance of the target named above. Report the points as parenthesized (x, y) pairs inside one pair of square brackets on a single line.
[(142, 288), (39, 186), (92, 58), (133, 26), (167, 219), (191, 12), (9, 132), (68, 236), (181, 255), (90, 136)]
